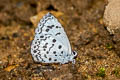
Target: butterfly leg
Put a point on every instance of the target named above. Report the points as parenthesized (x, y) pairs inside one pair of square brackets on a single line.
[(73, 61)]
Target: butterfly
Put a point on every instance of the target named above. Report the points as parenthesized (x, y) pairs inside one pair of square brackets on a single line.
[(50, 43)]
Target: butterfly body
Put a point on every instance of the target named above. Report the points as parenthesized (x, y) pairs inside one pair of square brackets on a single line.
[(51, 44)]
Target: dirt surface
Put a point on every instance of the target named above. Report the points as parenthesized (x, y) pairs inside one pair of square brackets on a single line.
[(98, 52)]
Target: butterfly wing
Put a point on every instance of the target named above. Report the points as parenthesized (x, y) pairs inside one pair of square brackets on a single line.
[(50, 44), (50, 25)]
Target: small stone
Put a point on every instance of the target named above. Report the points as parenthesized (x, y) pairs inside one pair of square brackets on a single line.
[(0, 62)]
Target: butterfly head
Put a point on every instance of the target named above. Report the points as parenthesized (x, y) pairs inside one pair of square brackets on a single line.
[(73, 56)]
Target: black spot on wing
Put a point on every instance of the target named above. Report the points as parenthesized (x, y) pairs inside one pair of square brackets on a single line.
[(47, 52), (49, 34), (59, 46), (34, 51), (44, 39), (50, 59), (47, 30), (34, 46), (38, 39), (60, 55), (45, 56), (51, 47), (44, 46), (42, 60), (35, 42), (41, 36), (44, 49), (61, 52), (39, 42), (57, 34), (54, 52), (50, 27), (54, 40), (46, 43), (58, 27), (39, 54), (55, 59), (37, 57)]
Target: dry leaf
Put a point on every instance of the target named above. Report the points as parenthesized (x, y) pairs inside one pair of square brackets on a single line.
[(35, 19), (9, 68)]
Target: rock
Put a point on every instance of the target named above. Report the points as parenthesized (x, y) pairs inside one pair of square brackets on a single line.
[(112, 16)]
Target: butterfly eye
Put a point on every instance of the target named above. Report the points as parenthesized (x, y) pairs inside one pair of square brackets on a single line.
[(74, 53)]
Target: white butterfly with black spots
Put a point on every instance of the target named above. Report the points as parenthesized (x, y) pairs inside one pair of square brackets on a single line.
[(51, 44)]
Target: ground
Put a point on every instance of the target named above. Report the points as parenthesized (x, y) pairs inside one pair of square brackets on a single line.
[(98, 52)]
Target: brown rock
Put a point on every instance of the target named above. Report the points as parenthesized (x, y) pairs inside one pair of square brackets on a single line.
[(112, 16)]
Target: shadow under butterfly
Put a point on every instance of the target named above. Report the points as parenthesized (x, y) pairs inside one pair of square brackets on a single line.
[(51, 44)]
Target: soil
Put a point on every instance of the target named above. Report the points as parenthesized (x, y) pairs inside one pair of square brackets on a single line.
[(98, 52)]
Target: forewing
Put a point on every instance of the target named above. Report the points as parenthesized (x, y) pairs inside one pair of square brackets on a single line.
[(50, 25)]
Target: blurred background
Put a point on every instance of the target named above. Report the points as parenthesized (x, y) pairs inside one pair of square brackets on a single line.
[(98, 50)]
